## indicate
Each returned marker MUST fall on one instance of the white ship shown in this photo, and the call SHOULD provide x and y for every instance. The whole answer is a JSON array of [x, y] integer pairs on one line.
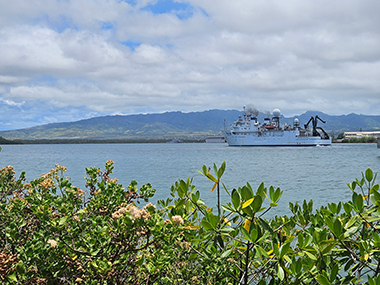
[[247, 131]]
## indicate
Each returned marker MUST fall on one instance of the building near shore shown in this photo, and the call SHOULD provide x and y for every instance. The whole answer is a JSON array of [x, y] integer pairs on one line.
[[215, 140], [358, 135]]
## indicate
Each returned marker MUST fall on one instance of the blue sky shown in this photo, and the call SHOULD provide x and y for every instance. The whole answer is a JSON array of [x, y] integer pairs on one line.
[[65, 60]]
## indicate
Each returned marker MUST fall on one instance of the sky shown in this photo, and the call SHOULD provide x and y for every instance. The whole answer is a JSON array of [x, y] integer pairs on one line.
[[67, 60]]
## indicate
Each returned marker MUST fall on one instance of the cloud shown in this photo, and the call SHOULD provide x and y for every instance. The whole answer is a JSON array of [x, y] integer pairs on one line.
[[11, 103], [105, 57]]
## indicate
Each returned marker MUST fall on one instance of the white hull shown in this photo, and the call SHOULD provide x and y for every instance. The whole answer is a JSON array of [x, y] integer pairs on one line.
[[247, 131], [274, 138]]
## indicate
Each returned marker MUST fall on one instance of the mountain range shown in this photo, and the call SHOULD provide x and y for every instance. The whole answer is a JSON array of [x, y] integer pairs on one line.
[[175, 124]]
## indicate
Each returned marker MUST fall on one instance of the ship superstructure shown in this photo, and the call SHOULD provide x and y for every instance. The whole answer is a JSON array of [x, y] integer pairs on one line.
[[247, 131]]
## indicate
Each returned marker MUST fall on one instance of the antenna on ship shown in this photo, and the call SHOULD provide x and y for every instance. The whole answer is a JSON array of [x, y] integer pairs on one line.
[[276, 117], [296, 123]]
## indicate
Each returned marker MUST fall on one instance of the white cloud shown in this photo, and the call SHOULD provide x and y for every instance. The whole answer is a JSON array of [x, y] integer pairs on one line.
[[8, 79], [11, 103], [295, 55]]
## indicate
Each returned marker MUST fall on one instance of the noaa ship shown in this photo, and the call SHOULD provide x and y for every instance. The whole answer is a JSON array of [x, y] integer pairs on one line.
[[247, 131]]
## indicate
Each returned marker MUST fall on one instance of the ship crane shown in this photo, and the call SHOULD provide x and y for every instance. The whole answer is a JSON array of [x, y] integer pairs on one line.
[[314, 121]]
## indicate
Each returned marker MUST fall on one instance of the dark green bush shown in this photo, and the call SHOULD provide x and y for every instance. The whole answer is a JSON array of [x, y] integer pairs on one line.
[[55, 233]]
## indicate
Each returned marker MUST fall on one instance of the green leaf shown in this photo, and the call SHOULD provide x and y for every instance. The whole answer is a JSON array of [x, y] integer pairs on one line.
[[62, 220], [184, 187], [20, 267], [257, 202], [180, 192], [261, 251], [180, 203], [347, 208], [277, 195], [194, 197], [329, 222], [300, 240], [265, 225], [369, 175], [248, 211], [352, 185], [204, 169], [228, 208], [276, 250], [225, 188], [351, 222], [215, 169], [214, 220], [220, 240], [82, 211], [375, 188], [337, 227], [206, 225], [271, 193], [227, 253], [333, 207], [212, 178], [328, 248], [261, 189], [246, 193], [323, 280], [262, 282], [235, 197], [310, 255], [254, 234], [280, 272], [375, 197], [245, 234], [221, 170], [284, 249], [358, 203], [334, 272], [13, 277], [371, 281]]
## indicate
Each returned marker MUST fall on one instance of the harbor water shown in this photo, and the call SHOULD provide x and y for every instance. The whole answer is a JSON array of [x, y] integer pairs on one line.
[[303, 173]]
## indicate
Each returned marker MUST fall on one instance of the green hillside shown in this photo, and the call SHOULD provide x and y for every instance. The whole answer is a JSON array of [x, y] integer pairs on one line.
[[173, 124]]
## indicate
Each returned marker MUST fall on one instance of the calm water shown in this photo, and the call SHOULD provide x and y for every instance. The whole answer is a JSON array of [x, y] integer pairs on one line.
[[318, 173]]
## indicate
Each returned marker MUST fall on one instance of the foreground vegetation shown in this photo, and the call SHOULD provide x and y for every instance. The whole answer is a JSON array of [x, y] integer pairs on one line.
[[55, 233]]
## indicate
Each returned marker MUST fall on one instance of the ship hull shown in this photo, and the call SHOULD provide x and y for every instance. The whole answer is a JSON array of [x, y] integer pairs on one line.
[[276, 138]]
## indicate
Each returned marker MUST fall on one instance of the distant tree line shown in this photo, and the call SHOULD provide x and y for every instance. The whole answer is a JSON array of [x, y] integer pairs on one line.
[[360, 140]]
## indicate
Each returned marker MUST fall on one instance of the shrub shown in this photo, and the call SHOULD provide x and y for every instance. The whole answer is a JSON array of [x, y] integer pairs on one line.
[[55, 233]]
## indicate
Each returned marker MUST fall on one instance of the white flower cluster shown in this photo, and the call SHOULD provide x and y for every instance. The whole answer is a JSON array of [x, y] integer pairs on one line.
[[135, 213], [177, 220], [52, 243]]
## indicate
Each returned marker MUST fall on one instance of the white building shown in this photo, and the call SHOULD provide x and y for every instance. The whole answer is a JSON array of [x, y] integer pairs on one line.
[[350, 135]]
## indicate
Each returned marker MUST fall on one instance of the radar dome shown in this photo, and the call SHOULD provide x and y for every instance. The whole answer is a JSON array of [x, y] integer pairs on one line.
[[276, 112]]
